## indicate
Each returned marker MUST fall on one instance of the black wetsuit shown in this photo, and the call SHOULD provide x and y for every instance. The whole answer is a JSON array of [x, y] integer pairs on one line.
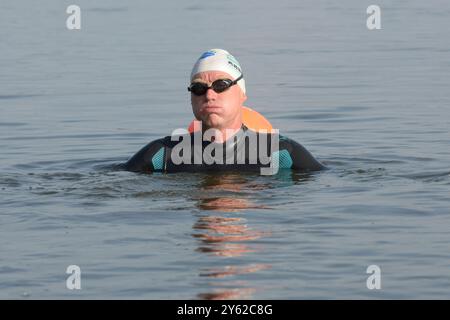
[[157, 156]]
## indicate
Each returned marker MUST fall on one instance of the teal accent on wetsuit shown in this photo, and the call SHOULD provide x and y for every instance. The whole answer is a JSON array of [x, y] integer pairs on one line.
[[158, 160], [284, 158]]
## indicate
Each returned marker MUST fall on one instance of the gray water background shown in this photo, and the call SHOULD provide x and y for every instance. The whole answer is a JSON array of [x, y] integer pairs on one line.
[[372, 105]]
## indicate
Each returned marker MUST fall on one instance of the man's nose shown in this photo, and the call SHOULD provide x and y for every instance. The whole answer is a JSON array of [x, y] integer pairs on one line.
[[210, 94]]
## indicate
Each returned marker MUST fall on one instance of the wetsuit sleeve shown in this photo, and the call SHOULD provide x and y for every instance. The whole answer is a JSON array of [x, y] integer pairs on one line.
[[149, 159], [300, 158]]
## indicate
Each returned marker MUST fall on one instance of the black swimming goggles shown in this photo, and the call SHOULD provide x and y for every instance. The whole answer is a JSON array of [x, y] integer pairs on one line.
[[220, 85]]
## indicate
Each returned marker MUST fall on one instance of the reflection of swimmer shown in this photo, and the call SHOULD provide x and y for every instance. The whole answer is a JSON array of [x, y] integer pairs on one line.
[[226, 192], [219, 234], [217, 96], [233, 270], [230, 294], [226, 236], [225, 204]]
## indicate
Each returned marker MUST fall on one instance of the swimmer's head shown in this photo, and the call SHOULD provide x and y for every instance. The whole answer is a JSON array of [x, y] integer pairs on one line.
[[221, 106], [219, 60]]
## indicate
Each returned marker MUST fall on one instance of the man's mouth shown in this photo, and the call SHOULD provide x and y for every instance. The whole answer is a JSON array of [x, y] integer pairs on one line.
[[211, 108]]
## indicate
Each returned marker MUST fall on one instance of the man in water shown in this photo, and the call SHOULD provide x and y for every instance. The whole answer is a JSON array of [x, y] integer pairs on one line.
[[223, 141]]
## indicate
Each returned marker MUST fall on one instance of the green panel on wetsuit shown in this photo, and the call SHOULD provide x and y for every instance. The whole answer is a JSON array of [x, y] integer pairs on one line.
[[285, 160], [158, 160]]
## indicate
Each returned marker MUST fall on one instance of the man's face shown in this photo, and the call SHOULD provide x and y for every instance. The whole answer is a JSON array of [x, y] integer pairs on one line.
[[218, 110]]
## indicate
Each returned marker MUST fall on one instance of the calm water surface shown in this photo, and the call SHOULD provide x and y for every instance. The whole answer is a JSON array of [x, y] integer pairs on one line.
[[372, 105]]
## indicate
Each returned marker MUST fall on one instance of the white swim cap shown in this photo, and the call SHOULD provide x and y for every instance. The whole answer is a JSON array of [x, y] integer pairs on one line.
[[219, 60]]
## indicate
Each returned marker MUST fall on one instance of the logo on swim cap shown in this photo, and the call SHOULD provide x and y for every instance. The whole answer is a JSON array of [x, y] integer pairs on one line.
[[207, 54], [232, 59], [234, 66]]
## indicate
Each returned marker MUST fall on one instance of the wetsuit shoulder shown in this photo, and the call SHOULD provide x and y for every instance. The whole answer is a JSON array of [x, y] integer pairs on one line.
[[293, 155], [150, 158]]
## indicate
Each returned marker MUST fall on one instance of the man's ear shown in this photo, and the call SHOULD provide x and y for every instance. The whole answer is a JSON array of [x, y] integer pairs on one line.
[[243, 96]]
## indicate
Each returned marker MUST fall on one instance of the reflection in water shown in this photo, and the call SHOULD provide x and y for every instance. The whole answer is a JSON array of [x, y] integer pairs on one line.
[[224, 204], [232, 270], [227, 236], [218, 233], [231, 294]]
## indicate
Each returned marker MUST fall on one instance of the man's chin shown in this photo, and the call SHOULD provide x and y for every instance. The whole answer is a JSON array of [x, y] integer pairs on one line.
[[213, 121]]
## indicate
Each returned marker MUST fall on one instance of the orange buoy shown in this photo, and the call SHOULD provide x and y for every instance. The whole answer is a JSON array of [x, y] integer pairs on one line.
[[252, 120]]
